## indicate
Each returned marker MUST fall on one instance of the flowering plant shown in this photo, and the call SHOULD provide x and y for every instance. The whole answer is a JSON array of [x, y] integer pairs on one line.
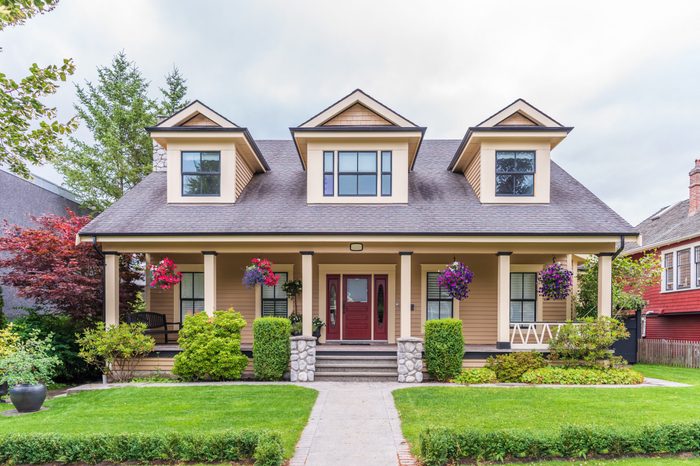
[[165, 274], [259, 272], [456, 279], [555, 282]]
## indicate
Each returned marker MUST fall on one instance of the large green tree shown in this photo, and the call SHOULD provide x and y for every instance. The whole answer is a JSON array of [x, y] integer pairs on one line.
[[115, 109], [174, 94], [30, 130]]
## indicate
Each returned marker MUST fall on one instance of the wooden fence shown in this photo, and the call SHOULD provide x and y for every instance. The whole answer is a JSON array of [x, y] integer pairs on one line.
[[671, 352]]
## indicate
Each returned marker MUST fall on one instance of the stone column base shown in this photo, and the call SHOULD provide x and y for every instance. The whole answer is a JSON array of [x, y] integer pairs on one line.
[[410, 359], [303, 359]]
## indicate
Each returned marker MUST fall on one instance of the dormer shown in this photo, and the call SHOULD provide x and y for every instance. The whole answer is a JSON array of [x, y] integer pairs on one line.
[[358, 150], [506, 158], [210, 159]]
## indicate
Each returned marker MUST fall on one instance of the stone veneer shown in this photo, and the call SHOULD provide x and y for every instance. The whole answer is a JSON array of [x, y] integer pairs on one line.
[[160, 158], [410, 360], [303, 359]]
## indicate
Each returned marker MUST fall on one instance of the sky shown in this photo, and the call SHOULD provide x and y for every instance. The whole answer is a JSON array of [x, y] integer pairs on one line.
[[625, 74]]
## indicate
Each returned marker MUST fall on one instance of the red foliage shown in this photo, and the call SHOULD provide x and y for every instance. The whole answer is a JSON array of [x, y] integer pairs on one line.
[[44, 264]]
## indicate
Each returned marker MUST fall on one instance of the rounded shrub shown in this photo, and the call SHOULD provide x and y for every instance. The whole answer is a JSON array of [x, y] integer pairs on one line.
[[476, 375], [271, 347], [444, 348], [511, 367]]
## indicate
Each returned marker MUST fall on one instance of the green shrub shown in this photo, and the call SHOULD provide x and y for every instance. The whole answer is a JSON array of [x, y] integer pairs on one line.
[[510, 367], [582, 376], [588, 341], [116, 349], [440, 446], [271, 347], [211, 347], [476, 375], [222, 446], [444, 348], [32, 362]]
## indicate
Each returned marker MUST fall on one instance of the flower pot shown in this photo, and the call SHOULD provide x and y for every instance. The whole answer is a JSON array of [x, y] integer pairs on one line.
[[28, 398], [3, 389]]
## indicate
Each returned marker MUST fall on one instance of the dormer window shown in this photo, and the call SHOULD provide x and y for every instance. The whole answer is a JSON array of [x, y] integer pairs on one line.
[[515, 173], [201, 173], [357, 173]]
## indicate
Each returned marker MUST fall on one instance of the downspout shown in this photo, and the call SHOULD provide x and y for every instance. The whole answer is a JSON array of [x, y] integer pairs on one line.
[[614, 256], [104, 283]]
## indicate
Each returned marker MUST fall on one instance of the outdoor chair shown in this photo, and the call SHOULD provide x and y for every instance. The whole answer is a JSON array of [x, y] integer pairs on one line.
[[155, 323]]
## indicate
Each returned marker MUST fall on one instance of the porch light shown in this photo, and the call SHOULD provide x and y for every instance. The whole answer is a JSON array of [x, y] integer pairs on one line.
[[356, 246]]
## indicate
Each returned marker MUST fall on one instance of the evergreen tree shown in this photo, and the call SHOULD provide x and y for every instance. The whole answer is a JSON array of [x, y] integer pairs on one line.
[[174, 95], [116, 110]]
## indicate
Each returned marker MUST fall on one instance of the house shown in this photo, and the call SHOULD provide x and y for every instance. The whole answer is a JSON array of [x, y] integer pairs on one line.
[[39, 197], [673, 306], [365, 211]]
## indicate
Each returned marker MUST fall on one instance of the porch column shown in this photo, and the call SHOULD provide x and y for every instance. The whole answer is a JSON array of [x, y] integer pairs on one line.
[[503, 300], [307, 280], [209, 282], [111, 288], [405, 293], [605, 284]]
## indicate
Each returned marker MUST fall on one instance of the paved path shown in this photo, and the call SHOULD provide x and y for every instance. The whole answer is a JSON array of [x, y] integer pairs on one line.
[[353, 423]]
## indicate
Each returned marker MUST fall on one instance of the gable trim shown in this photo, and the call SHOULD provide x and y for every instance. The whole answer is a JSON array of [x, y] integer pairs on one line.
[[213, 115], [524, 102]]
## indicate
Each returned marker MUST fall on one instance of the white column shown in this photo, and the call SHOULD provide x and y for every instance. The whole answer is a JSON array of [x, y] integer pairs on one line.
[[111, 288], [605, 284], [405, 294], [307, 280], [569, 299], [503, 301], [209, 282]]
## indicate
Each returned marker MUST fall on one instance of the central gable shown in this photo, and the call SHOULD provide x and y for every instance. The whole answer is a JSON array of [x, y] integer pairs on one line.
[[358, 115]]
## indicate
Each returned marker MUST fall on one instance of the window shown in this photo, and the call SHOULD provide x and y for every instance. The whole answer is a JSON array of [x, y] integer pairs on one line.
[[328, 173], [697, 266], [668, 271], [439, 302], [191, 294], [274, 299], [523, 297], [683, 269], [386, 173], [357, 173], [515, 173], [201, 173]]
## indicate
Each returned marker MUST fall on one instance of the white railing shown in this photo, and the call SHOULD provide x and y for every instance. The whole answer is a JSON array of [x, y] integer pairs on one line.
[[534, 335]]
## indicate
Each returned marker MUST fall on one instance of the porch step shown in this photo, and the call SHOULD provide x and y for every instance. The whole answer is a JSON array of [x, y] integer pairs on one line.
[[374, 368], [356, 376], [364, 367]]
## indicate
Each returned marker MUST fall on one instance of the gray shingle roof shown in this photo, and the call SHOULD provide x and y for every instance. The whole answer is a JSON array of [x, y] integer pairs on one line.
[[440, 202], [668, 225]]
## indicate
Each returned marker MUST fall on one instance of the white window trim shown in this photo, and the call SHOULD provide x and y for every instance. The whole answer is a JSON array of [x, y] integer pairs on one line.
[[424, 269], [177, 312], [539, 304], [289, 269], [693, 273]]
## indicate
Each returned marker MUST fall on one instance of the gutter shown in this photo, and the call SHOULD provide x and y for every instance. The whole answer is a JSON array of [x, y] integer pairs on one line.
[[104, 282], [622, 246]]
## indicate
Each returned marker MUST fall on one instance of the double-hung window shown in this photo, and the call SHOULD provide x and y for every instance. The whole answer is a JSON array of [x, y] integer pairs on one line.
[[328, 173], [515, 173], [201, 173], [439, 302], [697, 266], [274, 299], [357, 173], [386, 173], [668, 271], [523, 297], [191, 294], [683, 269]]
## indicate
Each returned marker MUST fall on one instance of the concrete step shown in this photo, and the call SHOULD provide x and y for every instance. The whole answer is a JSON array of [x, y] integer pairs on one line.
[[352, 369], [332, 357], [356, 376], [361, 363]]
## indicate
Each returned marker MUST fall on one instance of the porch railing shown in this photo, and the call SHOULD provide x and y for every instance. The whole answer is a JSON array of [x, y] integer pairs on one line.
[[533, 335]]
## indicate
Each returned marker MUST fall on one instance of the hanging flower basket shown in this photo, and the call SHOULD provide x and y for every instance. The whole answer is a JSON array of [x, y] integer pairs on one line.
[[259, 272], [555, 281], [165, 274], [456, 279]]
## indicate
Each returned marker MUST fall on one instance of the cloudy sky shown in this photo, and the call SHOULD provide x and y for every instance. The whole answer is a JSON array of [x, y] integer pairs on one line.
[[625, 74]]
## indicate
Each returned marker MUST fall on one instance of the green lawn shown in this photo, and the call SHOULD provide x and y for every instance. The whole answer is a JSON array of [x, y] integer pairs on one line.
[[283, 408], [545, 409], [662, 461]]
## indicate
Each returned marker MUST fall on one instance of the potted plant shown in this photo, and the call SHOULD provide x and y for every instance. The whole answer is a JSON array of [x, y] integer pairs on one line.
[[259, 272], [8, 345], [27, 370], [555, 281], [295, 319], [316, 325]]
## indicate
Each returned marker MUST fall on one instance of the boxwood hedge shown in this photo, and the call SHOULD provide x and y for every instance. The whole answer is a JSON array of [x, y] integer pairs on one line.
[[271, 347], [444, 348]]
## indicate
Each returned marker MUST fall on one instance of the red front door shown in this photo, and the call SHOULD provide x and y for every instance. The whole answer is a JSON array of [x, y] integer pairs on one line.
[[357, 314], [333, 307], [381, 308]]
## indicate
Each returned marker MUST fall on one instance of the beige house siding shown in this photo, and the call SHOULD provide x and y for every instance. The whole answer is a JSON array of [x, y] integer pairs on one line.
[[243, 175], [473, 174], [517, 119], [199, 120], [357, 115]]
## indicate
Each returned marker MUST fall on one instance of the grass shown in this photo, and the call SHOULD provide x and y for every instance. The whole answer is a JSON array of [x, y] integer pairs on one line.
[[546, 409], [283, 408], [655, 461]]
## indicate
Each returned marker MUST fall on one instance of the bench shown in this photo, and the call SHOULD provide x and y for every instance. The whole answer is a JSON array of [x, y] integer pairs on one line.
[[155, 323]]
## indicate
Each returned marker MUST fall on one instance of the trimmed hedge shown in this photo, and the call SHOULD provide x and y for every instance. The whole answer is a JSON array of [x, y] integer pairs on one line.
[[582, 376], [271, 348], [223, 446], [476, 375], [444, 348], [439, 446], [511, 367]]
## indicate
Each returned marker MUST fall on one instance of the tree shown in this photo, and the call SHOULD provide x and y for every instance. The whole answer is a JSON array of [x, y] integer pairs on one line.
[[31, 132], [116, 110], [630, 279], [173, 97], [44, 264]]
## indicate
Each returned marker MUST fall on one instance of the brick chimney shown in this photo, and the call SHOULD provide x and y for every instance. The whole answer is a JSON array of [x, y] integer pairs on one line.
[[694, 204]]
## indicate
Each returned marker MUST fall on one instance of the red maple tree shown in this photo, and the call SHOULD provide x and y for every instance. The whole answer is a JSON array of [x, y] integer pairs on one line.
[[44, 264]]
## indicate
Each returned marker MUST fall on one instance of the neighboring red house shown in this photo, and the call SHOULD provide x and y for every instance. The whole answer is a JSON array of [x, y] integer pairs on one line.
[[673, 309]]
